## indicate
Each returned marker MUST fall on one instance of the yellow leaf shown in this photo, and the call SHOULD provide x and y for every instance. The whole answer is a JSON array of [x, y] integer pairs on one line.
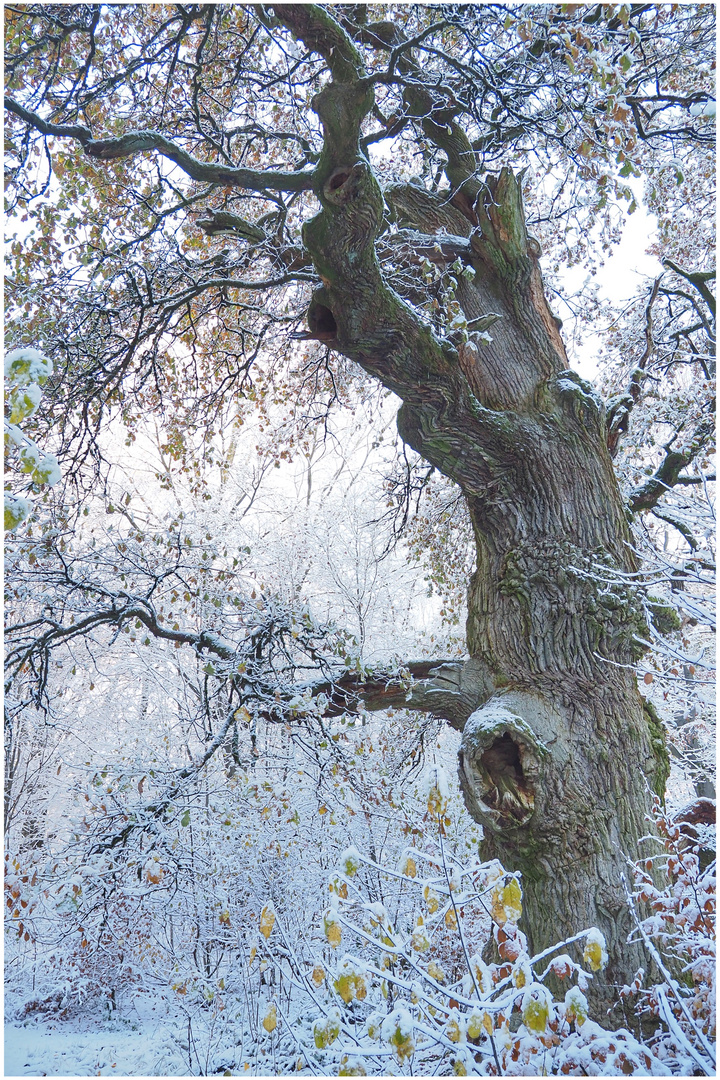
[[576, 1006], [506, 905], [475, 1025], [450, 920], [332, 929], [521, 974], [326, 1031], [453, 1030], [317, 975], [267, 921], [431, 899], [595, 953], [270, 1021], [334, 935], [409, 868], [536, 1008], [351, 985], [344, 987], [402, 1043]]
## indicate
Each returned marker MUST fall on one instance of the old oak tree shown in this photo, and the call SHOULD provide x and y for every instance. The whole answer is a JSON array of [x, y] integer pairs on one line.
[[224, 165]]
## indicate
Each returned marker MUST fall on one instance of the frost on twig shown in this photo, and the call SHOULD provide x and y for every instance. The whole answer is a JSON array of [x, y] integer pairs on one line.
[[26, 371]]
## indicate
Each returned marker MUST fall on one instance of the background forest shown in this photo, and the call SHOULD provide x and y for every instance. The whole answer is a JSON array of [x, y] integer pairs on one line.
[[237, 669]]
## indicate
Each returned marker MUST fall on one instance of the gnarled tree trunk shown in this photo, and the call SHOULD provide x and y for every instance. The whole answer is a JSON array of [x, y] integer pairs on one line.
[[559, 759]]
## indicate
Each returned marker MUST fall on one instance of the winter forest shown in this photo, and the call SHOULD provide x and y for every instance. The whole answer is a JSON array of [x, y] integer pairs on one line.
[[359, 539]]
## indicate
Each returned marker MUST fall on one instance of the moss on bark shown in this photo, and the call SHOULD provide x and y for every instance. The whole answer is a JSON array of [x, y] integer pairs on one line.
[[658, 741]]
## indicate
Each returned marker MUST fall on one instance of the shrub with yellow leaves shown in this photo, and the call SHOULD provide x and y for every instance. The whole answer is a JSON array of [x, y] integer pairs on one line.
[[443, 1019]]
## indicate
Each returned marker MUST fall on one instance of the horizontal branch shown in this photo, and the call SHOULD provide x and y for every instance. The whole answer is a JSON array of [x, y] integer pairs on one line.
[[449, 689], [235, 283], [57, 635], [136, 142]]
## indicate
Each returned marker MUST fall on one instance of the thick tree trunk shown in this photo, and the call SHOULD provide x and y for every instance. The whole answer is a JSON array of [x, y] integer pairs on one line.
[[559, 760]]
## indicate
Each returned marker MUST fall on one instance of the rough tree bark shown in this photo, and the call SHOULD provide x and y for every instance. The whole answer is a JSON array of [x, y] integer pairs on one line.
[[559, 757]]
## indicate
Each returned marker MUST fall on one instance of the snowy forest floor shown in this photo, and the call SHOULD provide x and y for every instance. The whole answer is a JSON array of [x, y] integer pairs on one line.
[[148, 1038]]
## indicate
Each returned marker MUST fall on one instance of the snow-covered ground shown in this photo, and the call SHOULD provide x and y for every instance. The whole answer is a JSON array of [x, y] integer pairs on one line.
[[82, 1045], [149, 1038], [62, 1049]]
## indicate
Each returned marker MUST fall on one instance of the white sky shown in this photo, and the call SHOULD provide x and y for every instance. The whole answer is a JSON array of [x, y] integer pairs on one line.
[[618, 279]]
